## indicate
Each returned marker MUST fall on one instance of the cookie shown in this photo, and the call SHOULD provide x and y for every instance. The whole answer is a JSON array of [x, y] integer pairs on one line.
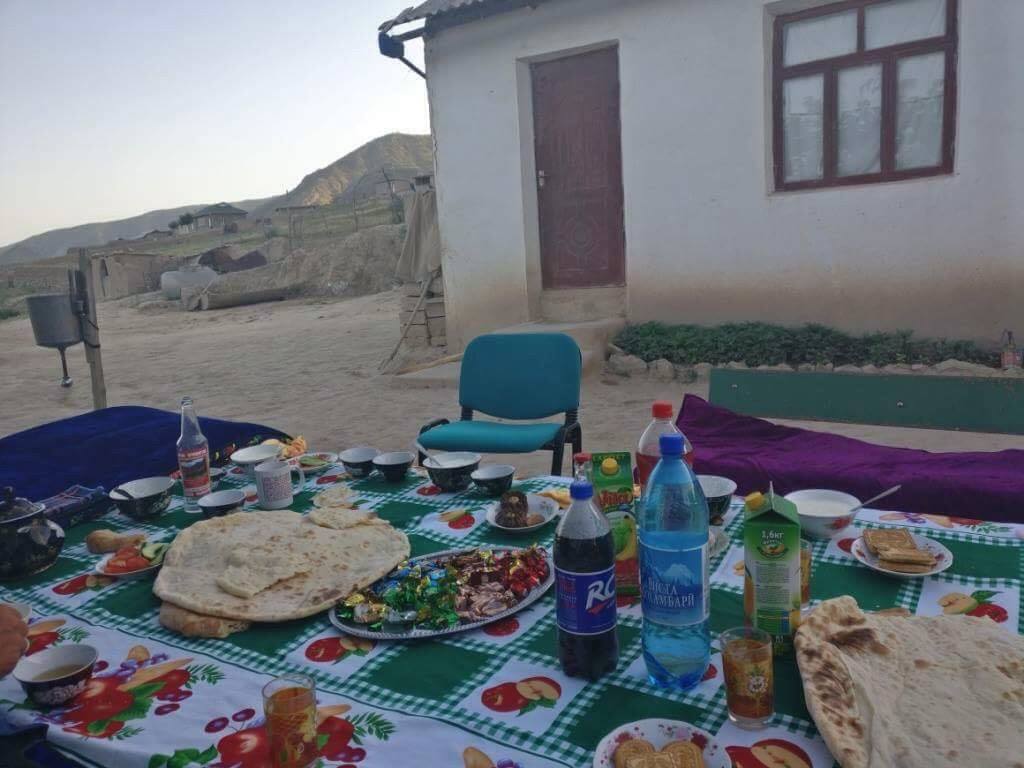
[[901, 555], [904, 567], [656, 760], [688, 754], [899, 538], [631, 749]]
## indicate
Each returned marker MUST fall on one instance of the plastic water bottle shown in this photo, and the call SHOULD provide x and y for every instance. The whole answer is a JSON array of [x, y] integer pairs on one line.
[[648, 452], [585, 610], [674, 583]]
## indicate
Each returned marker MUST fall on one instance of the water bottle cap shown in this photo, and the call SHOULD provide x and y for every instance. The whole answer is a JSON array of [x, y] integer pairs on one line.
[[662, 409], [581, 489], [671, 445]]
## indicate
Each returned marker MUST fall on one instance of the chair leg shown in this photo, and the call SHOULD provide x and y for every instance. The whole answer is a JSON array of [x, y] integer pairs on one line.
[[577, 440], [557, 452]]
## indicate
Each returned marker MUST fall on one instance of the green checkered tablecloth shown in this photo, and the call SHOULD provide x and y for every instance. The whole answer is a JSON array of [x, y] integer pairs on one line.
[[159, 699]]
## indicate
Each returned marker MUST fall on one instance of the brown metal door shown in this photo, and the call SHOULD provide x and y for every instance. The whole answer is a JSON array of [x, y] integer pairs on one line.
[[579, 170]]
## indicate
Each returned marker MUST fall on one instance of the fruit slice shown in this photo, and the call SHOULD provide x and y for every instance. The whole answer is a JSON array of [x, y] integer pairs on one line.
[[451, 515]]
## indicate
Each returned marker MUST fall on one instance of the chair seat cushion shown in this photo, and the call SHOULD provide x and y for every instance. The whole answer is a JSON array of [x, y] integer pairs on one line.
[[489, 437]]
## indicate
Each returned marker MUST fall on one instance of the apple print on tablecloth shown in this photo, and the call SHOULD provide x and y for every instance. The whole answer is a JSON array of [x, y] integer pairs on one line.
[[978, 603], [334, 648], [142, 685], [1000, 604], [83, 582], [42, 633], [241, 739], [457, 521], [945, 521], [772, 748], [523, 696]]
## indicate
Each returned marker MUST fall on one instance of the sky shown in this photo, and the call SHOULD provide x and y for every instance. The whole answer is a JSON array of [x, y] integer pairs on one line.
[[110, 108]]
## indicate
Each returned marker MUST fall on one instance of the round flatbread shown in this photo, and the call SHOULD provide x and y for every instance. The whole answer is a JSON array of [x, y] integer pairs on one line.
[[912, 691], [335, 496], [277, 565], [341, 518], [191, 624]]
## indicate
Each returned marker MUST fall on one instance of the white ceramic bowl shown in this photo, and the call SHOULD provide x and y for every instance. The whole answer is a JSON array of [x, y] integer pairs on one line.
[[823, 526], [248, 458]]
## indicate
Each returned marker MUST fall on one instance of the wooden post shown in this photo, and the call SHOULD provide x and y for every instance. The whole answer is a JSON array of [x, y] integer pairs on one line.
[[91, 333]]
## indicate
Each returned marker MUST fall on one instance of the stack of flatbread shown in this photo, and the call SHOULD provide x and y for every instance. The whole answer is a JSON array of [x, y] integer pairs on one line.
[[891, 691], [897, 551], [221, 574]]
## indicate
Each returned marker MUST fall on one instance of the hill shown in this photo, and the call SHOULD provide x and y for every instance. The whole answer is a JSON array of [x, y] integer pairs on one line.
[[403, 154]]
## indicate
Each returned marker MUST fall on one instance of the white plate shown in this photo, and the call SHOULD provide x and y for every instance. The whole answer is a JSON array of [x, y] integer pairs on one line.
[[659, 733], [142, 573], [330, 458], [943, 557], [539, 504]]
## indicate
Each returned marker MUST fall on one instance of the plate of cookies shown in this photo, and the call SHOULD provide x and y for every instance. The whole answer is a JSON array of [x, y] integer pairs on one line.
[[659, 743], [898, 552]]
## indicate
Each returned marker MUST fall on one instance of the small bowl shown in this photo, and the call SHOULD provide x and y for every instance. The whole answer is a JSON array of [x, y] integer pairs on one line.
[[151, 497], [823, 526], [248, 458], [35, 673], [718, 491], [451, 472], [221, 502], [358, 462], [494, 479], [216, 475], [394, 465]]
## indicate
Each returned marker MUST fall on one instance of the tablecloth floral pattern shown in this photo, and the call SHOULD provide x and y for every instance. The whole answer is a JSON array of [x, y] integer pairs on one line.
[[158, 699]]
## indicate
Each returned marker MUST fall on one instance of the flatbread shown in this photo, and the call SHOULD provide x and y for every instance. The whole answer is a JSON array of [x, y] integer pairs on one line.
[[253, 569], [341, 518], [191, 624], [912, 691], [335, 496], [341, 562]]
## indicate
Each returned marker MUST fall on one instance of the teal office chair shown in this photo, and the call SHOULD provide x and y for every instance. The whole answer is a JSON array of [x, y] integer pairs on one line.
[[515, 376]]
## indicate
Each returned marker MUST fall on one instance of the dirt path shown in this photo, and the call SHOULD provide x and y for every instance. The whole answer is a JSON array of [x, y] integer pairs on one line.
[[310, 368]]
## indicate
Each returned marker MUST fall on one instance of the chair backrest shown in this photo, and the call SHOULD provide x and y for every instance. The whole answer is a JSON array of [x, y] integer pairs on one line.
[[521, 375]]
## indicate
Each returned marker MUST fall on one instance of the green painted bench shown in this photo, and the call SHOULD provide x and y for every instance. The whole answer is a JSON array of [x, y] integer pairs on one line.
[[933, 402]]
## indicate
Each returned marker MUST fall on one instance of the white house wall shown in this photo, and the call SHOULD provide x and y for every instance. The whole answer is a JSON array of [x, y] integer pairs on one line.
[[706, 239]]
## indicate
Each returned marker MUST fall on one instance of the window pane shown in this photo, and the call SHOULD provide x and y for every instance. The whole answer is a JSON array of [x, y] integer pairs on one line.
[[801, 127], [921, 86], [819, 38], [902, 20], [860, 120]]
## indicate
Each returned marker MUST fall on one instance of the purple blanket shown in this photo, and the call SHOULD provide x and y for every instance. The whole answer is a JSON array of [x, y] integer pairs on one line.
[[752, 452]]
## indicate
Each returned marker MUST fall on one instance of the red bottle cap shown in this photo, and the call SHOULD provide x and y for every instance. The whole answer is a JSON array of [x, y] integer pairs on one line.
[[662, 409], [580, 458]]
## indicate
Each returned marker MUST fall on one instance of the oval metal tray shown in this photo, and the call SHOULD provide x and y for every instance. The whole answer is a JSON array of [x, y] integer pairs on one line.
[[360, 630]]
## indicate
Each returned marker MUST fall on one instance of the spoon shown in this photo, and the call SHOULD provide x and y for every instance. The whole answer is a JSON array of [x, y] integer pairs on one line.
[[879, 497], [123, 493]]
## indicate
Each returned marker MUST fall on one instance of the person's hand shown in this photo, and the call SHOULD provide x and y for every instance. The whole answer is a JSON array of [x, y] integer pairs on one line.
[[13, 632]]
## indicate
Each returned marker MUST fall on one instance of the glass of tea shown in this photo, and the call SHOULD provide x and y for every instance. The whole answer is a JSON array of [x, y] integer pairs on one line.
[[749, 680], [289, 703], [805, 573]]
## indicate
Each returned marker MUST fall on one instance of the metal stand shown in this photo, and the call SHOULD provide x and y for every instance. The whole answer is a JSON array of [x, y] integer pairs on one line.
[[66, 381]]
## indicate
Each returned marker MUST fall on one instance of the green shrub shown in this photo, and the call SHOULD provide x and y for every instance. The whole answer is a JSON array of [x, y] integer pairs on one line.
[[6, 314], [764, 344]]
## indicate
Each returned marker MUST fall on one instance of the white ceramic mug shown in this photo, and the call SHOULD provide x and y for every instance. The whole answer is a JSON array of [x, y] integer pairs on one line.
[[274, 484]]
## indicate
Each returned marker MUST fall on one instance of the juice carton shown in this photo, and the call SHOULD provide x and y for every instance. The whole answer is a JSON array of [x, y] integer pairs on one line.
[[771, 564], [613, 491]]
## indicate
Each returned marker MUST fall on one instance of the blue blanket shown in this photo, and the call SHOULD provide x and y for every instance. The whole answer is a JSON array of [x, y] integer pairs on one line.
[[108, 447]]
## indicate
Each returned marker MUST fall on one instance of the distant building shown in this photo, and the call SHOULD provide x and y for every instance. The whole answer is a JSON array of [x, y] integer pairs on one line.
[[158, 234], [125, 273], [214, 216]]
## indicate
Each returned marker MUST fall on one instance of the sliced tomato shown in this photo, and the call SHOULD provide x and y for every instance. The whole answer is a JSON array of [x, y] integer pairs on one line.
[[137, 562], [125, 552]]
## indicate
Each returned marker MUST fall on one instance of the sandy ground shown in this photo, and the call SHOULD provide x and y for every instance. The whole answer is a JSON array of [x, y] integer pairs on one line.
[[310, 368]]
